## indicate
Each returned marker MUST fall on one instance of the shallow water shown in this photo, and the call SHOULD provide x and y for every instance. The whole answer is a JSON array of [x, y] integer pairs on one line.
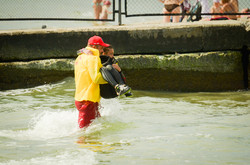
[[39, 126]]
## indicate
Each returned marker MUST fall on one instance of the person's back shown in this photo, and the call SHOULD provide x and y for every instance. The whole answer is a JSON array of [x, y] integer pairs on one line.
[[216, 8], [228, 7], [235, 3], [88, 83]]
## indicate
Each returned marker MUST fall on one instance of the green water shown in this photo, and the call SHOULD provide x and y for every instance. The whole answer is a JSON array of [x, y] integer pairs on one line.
[[39, 126]]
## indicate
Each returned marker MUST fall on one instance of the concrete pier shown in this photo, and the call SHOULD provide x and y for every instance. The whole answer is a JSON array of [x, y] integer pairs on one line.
[[198, 56]]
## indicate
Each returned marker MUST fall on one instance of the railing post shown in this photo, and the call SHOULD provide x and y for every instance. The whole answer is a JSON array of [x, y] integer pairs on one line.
[[120, 13]]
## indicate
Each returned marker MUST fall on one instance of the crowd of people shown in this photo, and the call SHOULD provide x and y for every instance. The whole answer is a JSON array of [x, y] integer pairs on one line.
[[217, 9], [101, 9]]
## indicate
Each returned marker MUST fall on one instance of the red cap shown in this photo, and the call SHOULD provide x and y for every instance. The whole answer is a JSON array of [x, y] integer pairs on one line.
[[96, 40]]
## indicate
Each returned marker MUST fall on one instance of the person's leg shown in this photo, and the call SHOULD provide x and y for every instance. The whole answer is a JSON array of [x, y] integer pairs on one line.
[[88, 111], [97, 10], [108, 76], [166, 18], [176, 10], [117, 76], [113, 77], [129, 94]]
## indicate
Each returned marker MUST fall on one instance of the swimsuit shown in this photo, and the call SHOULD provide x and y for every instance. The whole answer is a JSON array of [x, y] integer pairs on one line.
[[171, 7], [97, 4]]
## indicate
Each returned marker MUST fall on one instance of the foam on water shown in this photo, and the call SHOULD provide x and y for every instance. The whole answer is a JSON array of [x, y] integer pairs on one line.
[[46, 125], [55, 124]]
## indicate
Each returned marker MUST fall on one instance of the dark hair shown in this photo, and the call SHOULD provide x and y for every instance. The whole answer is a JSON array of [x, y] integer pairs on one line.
[[106, 49]]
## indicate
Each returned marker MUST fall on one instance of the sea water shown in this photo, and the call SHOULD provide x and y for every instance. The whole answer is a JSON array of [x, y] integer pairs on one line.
[[39, 126]]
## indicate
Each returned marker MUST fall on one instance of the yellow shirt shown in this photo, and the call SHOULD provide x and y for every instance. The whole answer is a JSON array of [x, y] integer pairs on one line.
[[88, 76]]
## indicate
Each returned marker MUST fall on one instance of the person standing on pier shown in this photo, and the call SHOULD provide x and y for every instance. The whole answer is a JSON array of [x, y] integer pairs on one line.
[[105, 10], [97, 5], [171, 7]]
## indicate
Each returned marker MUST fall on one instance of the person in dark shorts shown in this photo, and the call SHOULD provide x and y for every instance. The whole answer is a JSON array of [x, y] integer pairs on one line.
[[171, 7]]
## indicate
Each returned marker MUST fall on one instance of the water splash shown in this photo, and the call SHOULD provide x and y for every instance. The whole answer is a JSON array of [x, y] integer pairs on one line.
[[46, 125], [58, 124], [50, 124]]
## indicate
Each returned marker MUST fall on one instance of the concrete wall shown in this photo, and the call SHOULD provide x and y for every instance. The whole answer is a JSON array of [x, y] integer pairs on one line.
[[190, 72], [153, 57], [137, 39], [213, 71]]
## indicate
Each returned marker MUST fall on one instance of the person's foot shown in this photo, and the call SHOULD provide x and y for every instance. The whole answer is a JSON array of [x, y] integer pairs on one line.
[[122, 89], [129, 94]]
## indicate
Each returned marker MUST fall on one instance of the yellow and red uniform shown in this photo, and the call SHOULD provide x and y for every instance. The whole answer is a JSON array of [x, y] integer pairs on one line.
[[88, 76], [87, 80]]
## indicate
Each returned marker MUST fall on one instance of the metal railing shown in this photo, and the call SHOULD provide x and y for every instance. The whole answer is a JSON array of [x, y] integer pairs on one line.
[[141, 8], [52, 10], [83, 10]]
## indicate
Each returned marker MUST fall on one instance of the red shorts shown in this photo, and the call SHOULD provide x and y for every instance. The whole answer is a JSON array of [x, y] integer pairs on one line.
[[88, 111]]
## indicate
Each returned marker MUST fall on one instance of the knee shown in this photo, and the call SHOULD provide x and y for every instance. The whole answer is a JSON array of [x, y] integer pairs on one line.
[[109, 67], [103, 69]]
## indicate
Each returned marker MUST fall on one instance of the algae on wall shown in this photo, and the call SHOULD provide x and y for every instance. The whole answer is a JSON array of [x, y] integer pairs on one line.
[[228, 61], [211, 71]]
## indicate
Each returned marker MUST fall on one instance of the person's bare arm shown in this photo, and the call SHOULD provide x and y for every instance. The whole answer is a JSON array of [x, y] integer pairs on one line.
[[117, 67]]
